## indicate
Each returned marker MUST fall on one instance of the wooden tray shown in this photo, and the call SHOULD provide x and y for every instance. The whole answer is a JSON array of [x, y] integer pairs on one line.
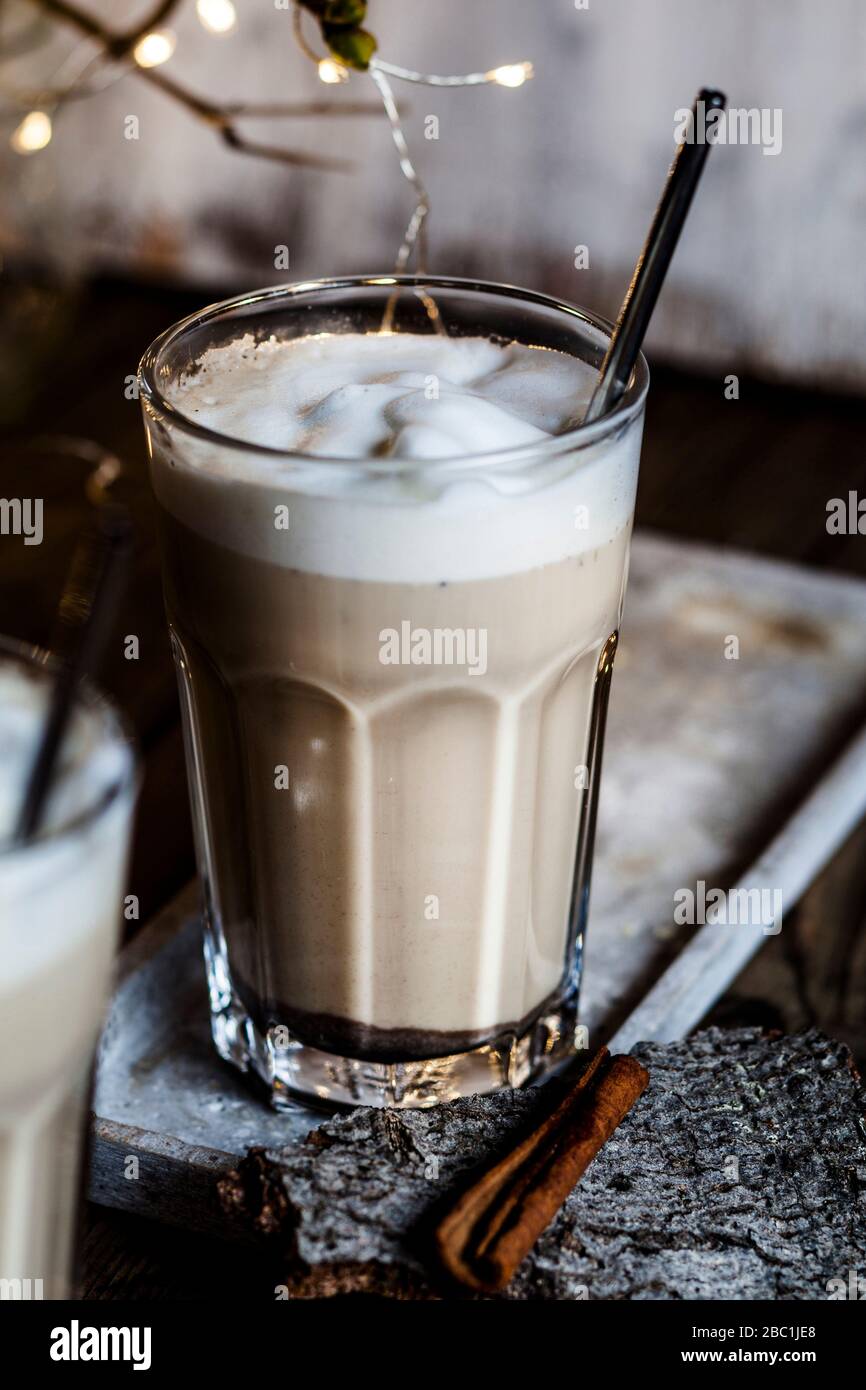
[[705, 757]]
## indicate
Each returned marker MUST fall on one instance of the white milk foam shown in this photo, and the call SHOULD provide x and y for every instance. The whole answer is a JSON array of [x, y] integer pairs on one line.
[[53, 890], [421, 402], [407, 396], [89, 762]]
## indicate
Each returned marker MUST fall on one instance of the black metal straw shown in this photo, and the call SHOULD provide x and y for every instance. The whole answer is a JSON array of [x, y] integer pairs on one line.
[[654, 259], [85, 617]]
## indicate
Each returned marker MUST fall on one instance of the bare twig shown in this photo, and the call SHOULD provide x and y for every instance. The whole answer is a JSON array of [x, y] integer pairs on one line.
[[302, 108], [221, 117], [114, 45], [118, 48]]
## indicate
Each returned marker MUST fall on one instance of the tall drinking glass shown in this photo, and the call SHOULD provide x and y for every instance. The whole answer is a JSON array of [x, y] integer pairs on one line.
[[394, 674], [60, 911]]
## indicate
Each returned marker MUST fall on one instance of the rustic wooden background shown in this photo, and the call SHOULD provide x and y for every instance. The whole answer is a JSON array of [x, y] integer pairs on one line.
[[770, 278]]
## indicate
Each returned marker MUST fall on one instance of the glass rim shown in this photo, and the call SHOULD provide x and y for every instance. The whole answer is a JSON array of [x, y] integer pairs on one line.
[[579, 436], [42, 662]]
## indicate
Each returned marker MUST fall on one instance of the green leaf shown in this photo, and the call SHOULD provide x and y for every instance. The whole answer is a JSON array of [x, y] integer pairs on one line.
[[316, 7], [353, 47]]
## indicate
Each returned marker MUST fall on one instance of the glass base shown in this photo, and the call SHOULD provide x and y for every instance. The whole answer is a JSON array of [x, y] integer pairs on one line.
[[291, 1070]]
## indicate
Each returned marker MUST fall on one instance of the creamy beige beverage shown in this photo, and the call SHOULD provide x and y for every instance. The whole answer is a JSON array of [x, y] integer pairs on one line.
[[391, 676], [60, 910]]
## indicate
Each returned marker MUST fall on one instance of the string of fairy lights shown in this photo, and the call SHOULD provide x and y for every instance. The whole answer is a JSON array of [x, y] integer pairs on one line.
[[85, 71]]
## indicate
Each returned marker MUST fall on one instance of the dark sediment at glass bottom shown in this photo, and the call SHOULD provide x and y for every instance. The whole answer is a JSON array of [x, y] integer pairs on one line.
[[346, 1037]]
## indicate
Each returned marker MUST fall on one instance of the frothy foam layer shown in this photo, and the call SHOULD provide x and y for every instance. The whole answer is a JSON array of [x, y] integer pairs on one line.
[[421, 401], [91, 761], [404, 396]]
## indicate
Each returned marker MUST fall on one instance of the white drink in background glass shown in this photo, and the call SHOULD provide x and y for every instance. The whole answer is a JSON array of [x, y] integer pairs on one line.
[[61, 899], [402, 921]]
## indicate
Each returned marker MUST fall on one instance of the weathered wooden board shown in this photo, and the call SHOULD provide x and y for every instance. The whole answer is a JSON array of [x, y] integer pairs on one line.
[[705, 756]]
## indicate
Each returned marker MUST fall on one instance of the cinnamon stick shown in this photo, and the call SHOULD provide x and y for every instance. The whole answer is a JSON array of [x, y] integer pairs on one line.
[[495, 1222]]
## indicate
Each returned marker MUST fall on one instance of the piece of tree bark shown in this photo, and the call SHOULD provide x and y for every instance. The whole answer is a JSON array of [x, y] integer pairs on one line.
[[740, 1174]]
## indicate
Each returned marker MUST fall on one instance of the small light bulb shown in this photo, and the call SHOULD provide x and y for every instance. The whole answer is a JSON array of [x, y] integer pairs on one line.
[[155, 48], [330, 72], [33, 134], [512, 74], [217, 16]]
